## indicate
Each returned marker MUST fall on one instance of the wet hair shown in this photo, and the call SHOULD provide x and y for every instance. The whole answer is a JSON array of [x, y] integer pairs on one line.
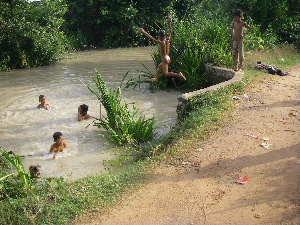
[[41, 96], [57, 135], [162, 33], [84, 107], [238, 13]]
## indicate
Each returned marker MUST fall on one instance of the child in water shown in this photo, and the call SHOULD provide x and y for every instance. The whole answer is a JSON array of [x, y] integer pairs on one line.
[[43, 104], [82, 112], [59, 145]]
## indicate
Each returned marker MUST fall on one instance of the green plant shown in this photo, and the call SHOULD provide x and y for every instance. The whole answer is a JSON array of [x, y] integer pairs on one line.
[[30, 33], [13, 182], [123, 125]]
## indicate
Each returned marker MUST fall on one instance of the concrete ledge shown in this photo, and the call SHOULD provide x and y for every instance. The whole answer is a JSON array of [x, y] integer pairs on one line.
[[218, 76]]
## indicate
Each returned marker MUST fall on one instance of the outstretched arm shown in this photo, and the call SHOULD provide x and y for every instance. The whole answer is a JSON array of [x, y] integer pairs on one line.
[[149, 36], [170, 27]]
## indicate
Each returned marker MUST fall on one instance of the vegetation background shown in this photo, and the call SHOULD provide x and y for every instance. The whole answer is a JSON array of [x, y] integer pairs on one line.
[[39, 32]]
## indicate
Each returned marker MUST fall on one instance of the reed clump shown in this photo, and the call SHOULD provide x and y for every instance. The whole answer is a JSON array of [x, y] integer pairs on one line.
[[124, 125]]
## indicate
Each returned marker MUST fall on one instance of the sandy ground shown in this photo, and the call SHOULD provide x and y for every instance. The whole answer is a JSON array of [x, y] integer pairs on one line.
[[202, 189]]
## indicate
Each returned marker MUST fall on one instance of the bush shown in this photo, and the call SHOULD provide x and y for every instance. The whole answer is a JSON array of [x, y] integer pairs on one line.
[[30, 33], [123, 125], [12, 184]]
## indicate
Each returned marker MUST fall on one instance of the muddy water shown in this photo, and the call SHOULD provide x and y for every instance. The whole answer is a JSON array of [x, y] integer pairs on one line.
[[28, 131]]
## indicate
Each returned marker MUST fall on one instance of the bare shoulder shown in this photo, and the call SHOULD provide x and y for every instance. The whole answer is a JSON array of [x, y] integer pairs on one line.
[[244, 23], [52, 147]]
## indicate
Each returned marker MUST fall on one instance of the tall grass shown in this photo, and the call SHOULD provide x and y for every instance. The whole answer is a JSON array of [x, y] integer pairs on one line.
[[196, 40], [124, 125], [205, 37], [12, 183]]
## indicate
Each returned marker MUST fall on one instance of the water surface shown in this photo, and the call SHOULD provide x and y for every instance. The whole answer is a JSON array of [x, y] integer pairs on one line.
[[28, 131]]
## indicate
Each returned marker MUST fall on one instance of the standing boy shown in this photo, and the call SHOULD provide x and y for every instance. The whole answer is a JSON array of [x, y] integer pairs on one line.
[[238, 39], [164, 43]]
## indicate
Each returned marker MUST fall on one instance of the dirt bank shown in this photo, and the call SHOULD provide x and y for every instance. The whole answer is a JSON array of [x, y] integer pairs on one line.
[[203, 190]]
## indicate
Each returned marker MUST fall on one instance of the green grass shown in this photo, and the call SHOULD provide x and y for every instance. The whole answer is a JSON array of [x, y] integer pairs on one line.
[[57, 201]]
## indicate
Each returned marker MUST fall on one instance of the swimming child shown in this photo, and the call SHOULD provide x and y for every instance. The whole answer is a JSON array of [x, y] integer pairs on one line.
[[43, 105], [82, 112], [59, 145], [164, 43]]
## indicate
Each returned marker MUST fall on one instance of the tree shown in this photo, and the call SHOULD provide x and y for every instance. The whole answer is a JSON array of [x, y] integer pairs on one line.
[[30, 33]]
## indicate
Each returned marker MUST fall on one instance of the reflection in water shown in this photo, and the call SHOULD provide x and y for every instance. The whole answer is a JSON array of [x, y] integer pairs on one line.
[[28, 131]]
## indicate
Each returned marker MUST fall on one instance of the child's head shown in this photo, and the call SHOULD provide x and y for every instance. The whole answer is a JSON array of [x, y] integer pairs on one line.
[[162, 35], [58, 136], [84, 108], [238, 14], [42, 99]]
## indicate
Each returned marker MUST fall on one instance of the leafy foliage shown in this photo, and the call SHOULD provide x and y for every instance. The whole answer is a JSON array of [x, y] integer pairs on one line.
[[59, 201], [281, 16], [112, 23], [30, 33], [12, 183], [123, 125]]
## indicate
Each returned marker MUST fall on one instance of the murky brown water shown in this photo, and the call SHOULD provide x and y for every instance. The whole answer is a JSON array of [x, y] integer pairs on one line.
[[28, 131]]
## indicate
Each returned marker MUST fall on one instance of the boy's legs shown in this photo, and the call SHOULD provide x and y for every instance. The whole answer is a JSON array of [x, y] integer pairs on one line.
[[238, 54], [165, 68], [241, 54], [235, 55], [159, 71]]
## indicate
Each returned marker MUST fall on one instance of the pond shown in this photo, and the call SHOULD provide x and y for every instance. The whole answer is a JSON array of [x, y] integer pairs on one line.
[[28, 131]]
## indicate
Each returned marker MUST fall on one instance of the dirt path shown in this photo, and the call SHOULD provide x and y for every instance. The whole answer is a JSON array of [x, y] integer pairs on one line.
[[203, 188]]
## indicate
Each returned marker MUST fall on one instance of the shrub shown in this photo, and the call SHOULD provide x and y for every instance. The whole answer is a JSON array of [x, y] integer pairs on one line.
[[12, 183], [123, 125]]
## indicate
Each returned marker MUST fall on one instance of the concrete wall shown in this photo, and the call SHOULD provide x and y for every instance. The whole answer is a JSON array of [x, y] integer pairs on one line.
[[218, 77]]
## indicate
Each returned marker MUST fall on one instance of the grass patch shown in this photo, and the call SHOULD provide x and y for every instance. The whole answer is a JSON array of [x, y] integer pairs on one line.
[[57, 201]]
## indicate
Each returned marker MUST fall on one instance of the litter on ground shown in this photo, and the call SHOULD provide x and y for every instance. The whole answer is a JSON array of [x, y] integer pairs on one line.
[[256, 137], [243, 180], [266, 145], [270, 69]]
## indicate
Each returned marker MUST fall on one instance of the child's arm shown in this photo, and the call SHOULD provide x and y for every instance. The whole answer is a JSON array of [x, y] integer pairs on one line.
[[170, 27], [149, 36], [250, 29], [79, 116], [52, 148]]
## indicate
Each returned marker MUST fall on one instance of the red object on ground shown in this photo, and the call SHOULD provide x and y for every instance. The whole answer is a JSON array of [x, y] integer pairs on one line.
[[243, 180]]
